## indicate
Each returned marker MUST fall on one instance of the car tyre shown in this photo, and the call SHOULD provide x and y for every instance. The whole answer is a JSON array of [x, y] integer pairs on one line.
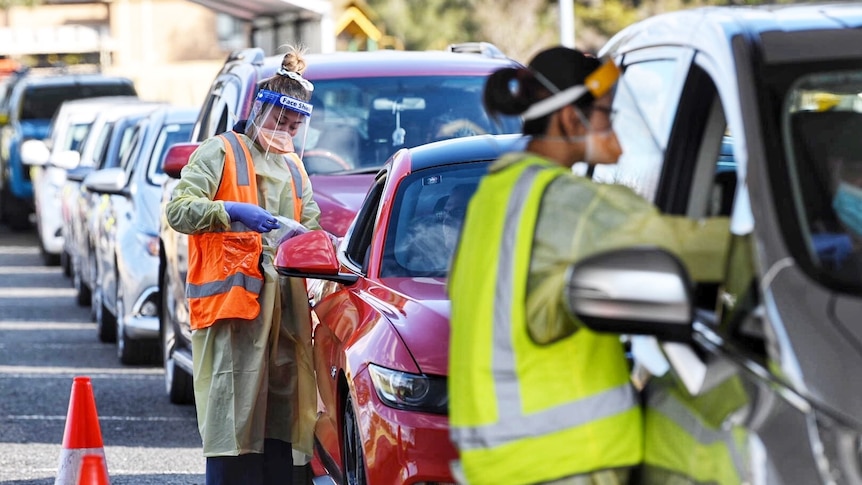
[[66, 263], [179, 385], [15, 212], [352, 456], [106, 323], [83, 296], [49, 259]]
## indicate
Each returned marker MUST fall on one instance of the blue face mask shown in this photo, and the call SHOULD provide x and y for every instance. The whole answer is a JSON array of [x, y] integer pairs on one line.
[[848, 205]]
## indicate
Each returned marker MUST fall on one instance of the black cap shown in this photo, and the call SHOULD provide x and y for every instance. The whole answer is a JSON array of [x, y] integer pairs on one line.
[[578, 65]]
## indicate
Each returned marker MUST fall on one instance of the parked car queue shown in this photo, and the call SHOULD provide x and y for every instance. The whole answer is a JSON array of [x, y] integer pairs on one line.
[[747, 378]]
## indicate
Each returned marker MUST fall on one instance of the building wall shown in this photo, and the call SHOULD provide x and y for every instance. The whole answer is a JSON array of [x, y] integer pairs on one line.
[[169, 48]]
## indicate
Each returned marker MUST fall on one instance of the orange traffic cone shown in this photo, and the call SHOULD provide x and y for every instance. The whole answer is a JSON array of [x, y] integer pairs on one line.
[[82, 435], [93, 471]]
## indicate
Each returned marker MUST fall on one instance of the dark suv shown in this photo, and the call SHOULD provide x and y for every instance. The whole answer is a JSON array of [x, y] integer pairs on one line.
[[27, 112]]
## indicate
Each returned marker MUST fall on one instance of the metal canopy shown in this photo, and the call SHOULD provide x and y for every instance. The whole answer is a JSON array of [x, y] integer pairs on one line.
[[256, 9]]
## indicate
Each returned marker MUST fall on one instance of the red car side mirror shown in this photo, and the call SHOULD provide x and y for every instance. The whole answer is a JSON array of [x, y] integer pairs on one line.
[[311, 255], [177, 157]]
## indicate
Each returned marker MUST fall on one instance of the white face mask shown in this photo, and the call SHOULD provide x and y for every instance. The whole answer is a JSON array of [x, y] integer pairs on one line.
[[602, 147]]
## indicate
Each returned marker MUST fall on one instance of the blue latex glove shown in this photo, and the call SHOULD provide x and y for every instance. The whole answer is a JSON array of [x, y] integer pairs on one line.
[[253, 216], [832, 248]]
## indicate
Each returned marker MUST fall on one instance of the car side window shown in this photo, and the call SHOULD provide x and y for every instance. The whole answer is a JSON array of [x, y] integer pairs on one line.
[[821, 131], [219, 113], [643, 107], [100, 150], [128, 161], [359, 235]]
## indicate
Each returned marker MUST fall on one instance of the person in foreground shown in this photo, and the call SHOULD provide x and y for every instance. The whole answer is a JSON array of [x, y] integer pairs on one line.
[[536, 397], [239, 196]]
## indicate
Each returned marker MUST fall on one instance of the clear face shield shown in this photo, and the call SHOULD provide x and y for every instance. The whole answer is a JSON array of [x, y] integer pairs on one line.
[[279, 122]]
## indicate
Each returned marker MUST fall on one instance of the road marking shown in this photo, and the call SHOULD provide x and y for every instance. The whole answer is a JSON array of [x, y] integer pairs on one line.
[[41, 292], [44, 325], [42, 417], [28, 270], [18, 250], [81, 346], [94, 372]]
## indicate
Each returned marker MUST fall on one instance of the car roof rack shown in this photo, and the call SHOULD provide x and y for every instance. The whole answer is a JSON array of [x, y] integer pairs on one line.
[[486, 49]]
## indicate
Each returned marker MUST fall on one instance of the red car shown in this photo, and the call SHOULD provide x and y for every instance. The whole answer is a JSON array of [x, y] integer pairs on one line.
[[381, 315], [367, 105]]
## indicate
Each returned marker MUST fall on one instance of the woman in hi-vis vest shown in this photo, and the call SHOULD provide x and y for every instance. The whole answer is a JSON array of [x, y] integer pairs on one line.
[[241, 193], [534, 395]]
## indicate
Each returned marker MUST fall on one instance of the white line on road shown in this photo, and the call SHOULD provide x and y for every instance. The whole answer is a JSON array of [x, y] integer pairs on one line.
[[93, 372], [37, 325], [41, 292], [28, 269], [80, 346], [18, 250], [40, 417]]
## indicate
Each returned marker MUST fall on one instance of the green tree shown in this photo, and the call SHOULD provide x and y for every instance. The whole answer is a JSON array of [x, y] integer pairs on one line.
[[428, 24], [520, 28]]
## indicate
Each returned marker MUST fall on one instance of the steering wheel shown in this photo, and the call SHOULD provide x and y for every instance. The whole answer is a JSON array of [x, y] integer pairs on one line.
[[458, 128], [322, 161]]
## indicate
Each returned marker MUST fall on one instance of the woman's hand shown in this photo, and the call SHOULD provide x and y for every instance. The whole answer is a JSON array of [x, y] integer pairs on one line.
[[253, 216]]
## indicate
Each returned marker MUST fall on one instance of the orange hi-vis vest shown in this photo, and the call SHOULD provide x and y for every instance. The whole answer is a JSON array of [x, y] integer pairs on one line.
[[225, 276]]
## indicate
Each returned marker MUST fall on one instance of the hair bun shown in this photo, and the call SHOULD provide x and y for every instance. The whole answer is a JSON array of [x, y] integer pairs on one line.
[[294, 59], [499, 96]]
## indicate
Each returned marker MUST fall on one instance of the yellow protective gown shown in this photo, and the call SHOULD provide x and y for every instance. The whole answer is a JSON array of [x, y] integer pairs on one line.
[[253, 379]]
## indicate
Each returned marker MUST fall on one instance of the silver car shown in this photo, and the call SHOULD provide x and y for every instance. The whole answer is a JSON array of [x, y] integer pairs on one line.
[[103, 147], [751, 374], [127, 249]]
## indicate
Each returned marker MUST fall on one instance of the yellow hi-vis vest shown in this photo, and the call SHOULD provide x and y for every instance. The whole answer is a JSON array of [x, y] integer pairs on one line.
[[692, 439], [522, 412]]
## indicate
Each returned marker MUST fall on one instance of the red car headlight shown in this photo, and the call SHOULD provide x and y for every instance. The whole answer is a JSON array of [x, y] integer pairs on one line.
[[404, 390]]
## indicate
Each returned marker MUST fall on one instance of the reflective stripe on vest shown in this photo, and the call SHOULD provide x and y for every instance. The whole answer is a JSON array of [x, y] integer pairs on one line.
[[297, 179], [513, 424], [687, 445], [241, 156], [230, 288], [294, 164], [522, 412]]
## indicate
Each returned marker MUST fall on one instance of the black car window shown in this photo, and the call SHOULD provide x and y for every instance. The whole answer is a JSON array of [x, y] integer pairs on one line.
[[822, 123], [41, 102], [218, 114], [426, 220], [359, 234]]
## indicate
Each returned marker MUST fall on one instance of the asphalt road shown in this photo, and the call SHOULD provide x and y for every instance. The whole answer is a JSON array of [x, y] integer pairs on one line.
[[45, 341]]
